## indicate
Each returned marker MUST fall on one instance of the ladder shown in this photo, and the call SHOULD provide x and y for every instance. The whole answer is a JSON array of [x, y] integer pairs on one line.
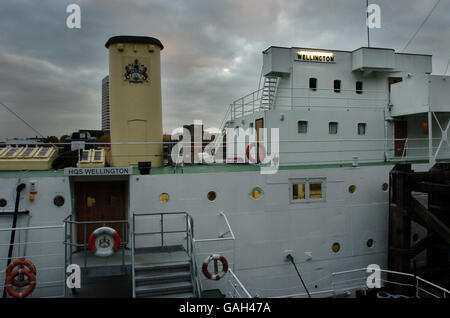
[[269, 92]]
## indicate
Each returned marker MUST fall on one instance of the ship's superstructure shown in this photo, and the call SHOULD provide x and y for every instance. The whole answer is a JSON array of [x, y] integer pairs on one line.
[[344, 120]]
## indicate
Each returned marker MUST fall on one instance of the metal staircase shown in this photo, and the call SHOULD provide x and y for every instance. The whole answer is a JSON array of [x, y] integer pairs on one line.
[[168, 271], [171, 280], [269, 92]]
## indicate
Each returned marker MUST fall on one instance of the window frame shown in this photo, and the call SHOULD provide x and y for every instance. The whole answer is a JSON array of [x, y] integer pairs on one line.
[[307, 182], [315, 80], [365, 129], [359, 91], [329, 127], [298, 126], [337, 90]]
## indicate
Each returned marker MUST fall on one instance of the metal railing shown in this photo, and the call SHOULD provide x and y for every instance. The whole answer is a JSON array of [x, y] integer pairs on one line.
[[193, 259], [305, 97], [47, 285], [238, 289], [421, 287], [188, 230], [339, 150], [72, 247]]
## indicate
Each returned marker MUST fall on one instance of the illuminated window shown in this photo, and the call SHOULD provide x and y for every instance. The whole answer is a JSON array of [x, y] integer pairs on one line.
[[163, 198], [313, 83], [307, 190], [359, 87], [302, 127], [352, 189], [332, 128], [256, 193], [361, 128], [299, 191], [384, 187], [337, 86], [211, 195], [315, 190], [336, 247]]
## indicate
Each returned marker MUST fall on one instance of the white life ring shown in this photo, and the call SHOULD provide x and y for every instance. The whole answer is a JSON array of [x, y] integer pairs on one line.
[[103, 241], [215, 258]]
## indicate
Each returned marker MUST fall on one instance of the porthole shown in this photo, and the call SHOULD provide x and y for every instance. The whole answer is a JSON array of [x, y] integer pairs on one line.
[[256, 193], [336, 247], [352, 189], [211, 196], [58, 201], [3, 203], [415, 237], [163, 198], [369, 243], [384, 187]]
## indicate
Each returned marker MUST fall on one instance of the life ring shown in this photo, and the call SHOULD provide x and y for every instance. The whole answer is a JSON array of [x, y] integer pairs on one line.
[[216, 275], [262, 151], [20, 262], [103, 241], [31, 283]]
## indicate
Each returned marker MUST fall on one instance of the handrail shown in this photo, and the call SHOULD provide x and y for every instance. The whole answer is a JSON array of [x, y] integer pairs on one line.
[[68, 237], [194, 267], [415, 277], [221, 213], [239, 283]]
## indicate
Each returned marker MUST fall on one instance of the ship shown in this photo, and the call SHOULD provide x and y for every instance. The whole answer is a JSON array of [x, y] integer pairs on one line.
[[291, 198]]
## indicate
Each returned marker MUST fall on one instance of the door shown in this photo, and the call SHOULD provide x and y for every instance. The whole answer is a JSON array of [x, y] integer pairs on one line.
[[99, 201], [259, 124], [393, 80], [400, 132]]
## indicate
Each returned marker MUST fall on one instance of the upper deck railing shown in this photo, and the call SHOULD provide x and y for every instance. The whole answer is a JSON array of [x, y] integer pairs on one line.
[[305, 97], [305, 151]]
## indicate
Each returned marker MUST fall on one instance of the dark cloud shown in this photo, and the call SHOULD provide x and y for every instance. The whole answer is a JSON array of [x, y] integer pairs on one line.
[[51, 75]]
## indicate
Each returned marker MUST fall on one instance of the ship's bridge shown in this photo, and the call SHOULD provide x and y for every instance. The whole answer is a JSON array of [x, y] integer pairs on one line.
[[331, 106]]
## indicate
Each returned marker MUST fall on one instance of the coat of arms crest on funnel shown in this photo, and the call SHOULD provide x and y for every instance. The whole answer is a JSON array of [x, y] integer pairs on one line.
[[136, 72]]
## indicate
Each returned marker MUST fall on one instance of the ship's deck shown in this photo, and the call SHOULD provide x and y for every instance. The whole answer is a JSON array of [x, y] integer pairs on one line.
[[199, 168]]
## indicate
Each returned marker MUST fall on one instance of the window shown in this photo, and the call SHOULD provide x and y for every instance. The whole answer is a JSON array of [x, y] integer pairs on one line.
[[256, 193], [332, 127], [163, 198], [307, 190], [361, 128], [302, 127], [298, 191], [313, 83], [337, 86], [211, 196], [359, 87]]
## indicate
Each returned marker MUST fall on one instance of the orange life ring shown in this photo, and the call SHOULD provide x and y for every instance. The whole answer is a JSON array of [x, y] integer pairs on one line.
[[20, 262], [262, 148], [216, 275], [31, 283]]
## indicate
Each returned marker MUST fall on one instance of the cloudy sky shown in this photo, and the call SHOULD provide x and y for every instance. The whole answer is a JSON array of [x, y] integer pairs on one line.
[[51, 75]]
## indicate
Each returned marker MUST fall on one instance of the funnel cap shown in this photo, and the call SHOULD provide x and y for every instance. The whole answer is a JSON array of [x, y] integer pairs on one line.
[[133, 39]]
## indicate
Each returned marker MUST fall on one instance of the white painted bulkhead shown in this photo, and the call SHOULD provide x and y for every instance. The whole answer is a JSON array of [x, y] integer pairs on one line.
[[267, 228], [43, 243]]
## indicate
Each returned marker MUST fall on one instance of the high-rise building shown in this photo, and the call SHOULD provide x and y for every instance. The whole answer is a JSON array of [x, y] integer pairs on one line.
[[106, 123]]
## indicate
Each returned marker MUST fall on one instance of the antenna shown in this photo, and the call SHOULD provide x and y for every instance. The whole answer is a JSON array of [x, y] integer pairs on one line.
[[367, 18], [420, 27]]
